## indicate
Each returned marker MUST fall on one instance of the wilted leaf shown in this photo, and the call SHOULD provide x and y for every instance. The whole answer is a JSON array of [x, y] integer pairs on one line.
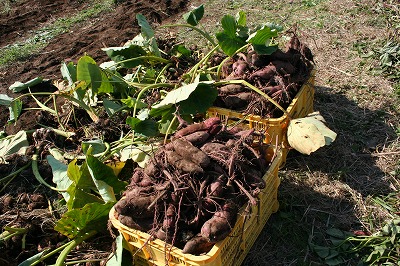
[[60, 175], [93, 216], [68, 72], [97, 146], [15, 109], [19, 86], [17, 143], [34, 258], [139, 154], [310, 133]]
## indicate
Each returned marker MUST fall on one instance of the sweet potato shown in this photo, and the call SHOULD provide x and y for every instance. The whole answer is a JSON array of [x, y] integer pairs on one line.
[[220, 224], [284, 67], [238, 100], [197, 138], [217, 151], [197, 246], [231, 89], [185, 149], [182, 164], [203, 126], [135, 205], [265, 73], [240, 67]]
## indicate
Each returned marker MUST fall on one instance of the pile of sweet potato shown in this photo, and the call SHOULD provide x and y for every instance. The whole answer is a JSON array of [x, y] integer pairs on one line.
[[190, 192], [279, 75]]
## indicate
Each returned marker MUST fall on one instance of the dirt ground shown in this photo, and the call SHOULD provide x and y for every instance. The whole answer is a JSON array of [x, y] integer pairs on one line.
[[23, 204]]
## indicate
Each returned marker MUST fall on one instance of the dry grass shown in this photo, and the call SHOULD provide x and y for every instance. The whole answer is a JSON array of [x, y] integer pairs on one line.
[[335, 186]]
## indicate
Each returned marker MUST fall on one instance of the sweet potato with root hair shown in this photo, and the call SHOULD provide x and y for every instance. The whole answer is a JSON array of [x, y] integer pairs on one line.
[[202, 126], [197, 246], [217, 151], [197, 138], [240, 67], [189, 152], [220, 224], [239, 100], [134, 223], [182, 164], [284, 67], [231, 89], [265, 73], [136, 205]]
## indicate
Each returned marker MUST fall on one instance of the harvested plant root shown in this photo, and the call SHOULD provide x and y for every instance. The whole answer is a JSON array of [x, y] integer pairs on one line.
[[190, 192], [279, 75]]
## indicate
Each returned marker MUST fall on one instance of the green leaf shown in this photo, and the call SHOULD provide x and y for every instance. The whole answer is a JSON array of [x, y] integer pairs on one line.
[[17, 143], [200, 100], [19, 86], [15, 109], [241, 19], [148, 34], [34, 258], [180, 50], [229, 44], [180, 94], [130, 53], [107, 184], [261, 40], [322, 252], [68, 72], [193, 17], [111, 107], [147, 127], [336, 233], [5, 99], [229, 25], [60, 175], [93, 216], [80, 191], [88, 71], [334, 261], [130, 102], [310, 133]]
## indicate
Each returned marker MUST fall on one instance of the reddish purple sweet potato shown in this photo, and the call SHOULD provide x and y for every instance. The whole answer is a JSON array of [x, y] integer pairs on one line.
[[265, 73], [231, 89], [187, 151], [182, 164], [221, 224], [238, 100], [197, 138], [197, 246], [136, 205]]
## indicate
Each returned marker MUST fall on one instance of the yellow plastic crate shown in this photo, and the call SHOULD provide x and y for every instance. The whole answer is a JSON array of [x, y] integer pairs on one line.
[[274, 129], [230, 251]]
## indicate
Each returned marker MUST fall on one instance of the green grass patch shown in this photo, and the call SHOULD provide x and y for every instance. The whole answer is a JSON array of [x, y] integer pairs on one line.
[[22, 50]]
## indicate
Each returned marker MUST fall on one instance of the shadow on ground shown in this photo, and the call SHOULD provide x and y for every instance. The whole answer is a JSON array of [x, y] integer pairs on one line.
[[325, 189]]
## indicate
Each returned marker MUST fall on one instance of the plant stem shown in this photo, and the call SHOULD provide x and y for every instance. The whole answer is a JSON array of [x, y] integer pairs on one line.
[[48, 255], [144, 58], [36, 173], [71, 245], [149, 87], [203, 33], [169, 129], [14, 174]]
